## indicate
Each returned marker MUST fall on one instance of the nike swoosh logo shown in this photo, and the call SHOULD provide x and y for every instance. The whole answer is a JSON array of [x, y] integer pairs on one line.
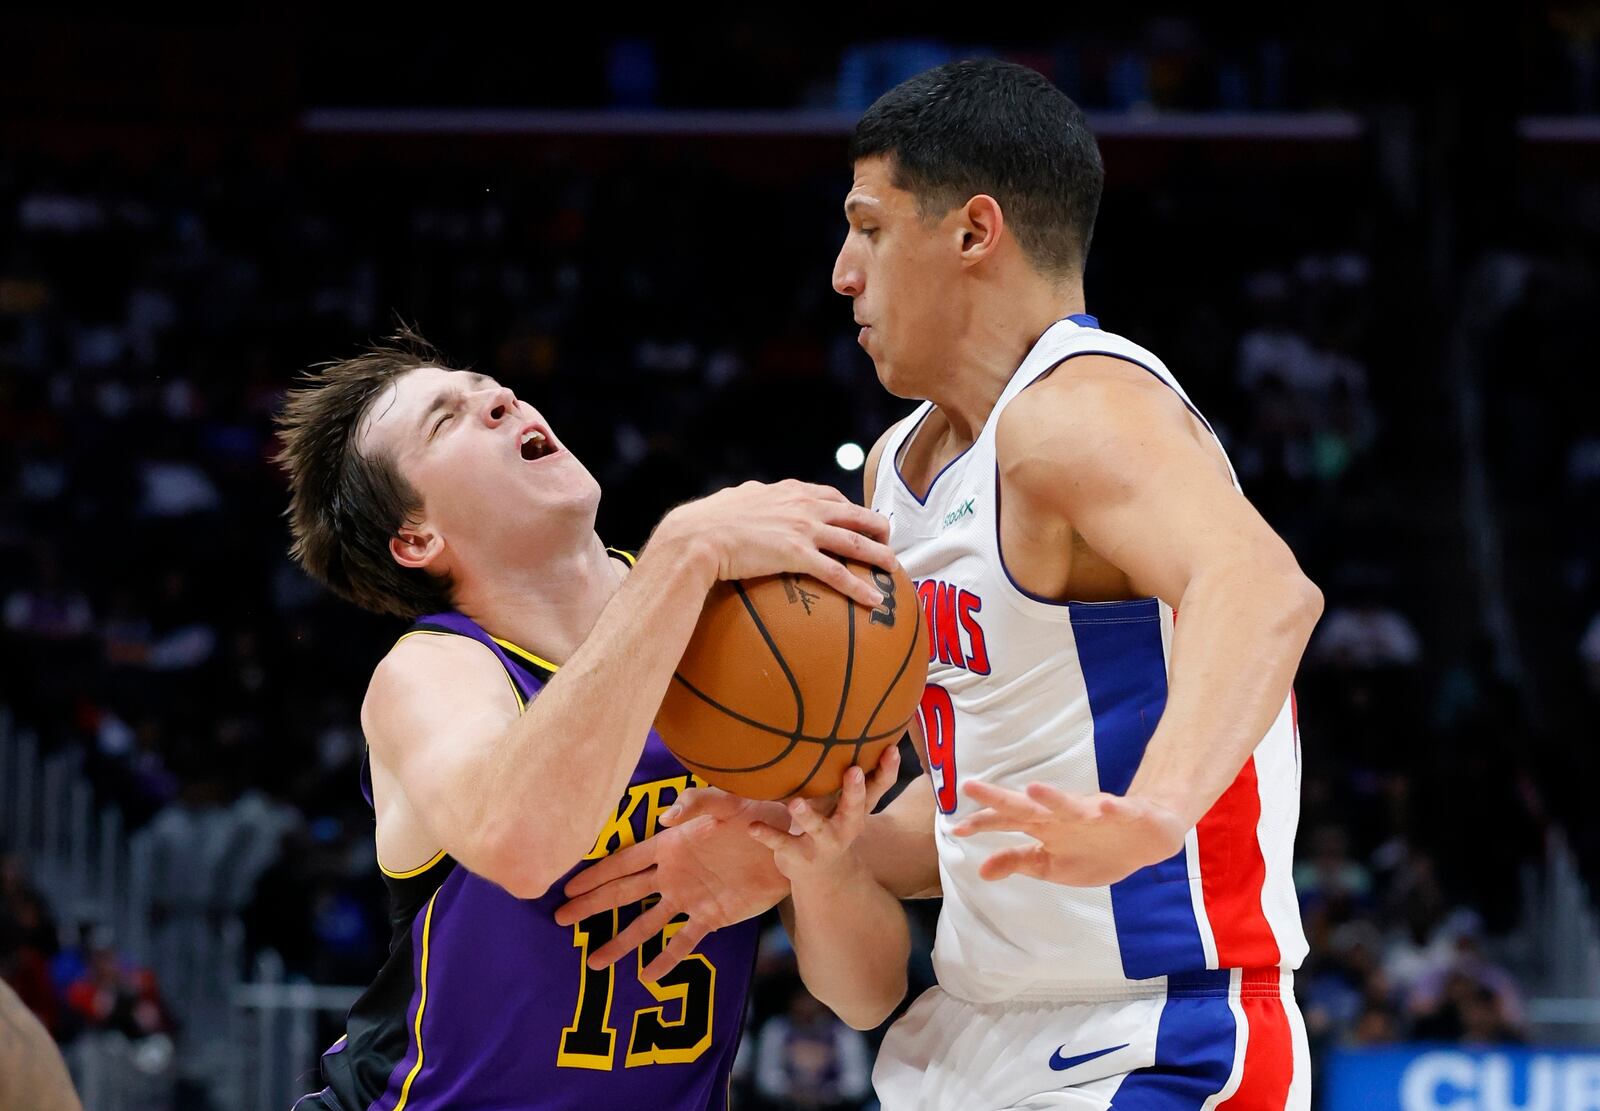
[[1062, 1064]]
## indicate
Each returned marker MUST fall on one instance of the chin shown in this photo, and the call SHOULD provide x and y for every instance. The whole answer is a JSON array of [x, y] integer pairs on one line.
[[893, 380], [576, 495]]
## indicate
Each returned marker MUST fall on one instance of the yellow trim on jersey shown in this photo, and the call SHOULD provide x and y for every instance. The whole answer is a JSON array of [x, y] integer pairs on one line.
[[675, 987], [632, 559], [536, 661], [422, 1004], [600, 1061], [414, 872], [512, 683]]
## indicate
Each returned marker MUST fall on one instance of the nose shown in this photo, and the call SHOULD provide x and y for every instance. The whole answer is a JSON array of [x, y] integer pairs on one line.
[[847, 276], [497, 405]]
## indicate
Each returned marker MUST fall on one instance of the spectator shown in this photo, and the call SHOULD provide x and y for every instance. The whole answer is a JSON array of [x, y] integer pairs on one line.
[[48, 608], [113, 994], [28, 941], [807, 1060], [1366, 634], [1447, 999], [1329, 878]]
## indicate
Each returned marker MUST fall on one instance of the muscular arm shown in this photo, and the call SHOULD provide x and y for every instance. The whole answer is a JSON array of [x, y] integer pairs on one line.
[[1113, 451], [500, 792], [32, 1074]]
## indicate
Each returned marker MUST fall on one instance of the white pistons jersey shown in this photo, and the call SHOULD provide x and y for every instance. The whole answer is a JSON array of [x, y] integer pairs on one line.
[[1022, 690]]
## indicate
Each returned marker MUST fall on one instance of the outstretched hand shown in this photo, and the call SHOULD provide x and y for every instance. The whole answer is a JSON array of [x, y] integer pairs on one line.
[[703, 865], [1079, 840]]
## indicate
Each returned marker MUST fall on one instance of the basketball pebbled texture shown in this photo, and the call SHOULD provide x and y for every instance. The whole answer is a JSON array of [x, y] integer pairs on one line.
[[786, 683]]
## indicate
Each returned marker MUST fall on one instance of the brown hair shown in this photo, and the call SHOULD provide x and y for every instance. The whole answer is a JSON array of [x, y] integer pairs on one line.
[[344, 507]]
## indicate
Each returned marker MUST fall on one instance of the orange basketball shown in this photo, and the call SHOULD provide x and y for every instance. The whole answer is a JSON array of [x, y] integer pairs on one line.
[[787, 682]]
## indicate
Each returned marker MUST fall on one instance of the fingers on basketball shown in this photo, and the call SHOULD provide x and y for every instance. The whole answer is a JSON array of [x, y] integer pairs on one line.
[[788, 681]]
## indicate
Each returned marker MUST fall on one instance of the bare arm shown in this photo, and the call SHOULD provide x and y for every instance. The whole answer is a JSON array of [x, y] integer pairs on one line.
[[1111, 450], [481, 778], [850, 935], [32, 1074], [898, 846]]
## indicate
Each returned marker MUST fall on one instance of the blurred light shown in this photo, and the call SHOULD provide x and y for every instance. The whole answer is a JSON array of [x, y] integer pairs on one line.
[[850, 457]]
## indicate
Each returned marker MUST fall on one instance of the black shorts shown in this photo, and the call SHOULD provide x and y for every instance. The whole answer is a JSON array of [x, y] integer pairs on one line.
[[320, 1101]]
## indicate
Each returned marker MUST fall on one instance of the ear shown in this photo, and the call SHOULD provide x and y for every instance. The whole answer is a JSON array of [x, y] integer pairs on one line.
[[980, 223], [416, 547]]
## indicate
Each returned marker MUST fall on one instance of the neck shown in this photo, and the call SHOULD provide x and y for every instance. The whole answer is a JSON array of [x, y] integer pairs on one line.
[[1002, 328], [548, 606]]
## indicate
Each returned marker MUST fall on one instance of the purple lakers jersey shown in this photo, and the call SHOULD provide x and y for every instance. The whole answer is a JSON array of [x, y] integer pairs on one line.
[[485, 1002]]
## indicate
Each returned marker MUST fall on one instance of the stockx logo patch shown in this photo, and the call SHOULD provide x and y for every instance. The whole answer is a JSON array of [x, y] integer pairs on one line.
[[960, 511]]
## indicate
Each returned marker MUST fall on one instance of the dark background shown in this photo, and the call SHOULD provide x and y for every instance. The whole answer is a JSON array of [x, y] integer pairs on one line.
[[1386, 315]]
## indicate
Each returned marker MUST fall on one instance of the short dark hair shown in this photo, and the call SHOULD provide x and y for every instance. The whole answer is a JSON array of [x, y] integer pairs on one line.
[[344, 506], [986, 126]]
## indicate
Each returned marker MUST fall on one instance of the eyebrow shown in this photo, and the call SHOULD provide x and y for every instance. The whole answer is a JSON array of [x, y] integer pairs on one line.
[[854, 203], [445, 397]]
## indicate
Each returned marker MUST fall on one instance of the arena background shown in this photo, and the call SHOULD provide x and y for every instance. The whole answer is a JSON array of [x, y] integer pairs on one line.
[[1368, 243]]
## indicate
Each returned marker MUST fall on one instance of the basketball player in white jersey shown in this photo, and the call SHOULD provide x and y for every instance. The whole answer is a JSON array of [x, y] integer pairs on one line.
[[1112, 793]]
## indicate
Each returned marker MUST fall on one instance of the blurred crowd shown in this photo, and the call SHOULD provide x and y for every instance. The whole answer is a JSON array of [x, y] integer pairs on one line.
[[1128, 58], [157, 632], [72, 976]]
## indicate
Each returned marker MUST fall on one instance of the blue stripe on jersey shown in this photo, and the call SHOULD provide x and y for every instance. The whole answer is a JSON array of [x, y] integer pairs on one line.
[[1196, 1040], [1125, 673], [1084, 320]]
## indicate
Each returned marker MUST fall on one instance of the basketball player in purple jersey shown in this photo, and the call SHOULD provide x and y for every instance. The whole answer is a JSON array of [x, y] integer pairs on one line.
[[509, 739]]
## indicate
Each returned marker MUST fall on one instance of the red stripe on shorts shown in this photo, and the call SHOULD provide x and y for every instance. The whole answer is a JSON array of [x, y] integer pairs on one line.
[[1269, 1045]]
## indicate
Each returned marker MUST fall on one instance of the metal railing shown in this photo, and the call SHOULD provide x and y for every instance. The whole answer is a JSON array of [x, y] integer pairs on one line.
[[185, 927], [1561, 933], [94, 872], [276, 1046]]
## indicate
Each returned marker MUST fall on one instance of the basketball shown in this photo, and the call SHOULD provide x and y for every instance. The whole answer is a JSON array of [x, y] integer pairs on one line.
[[786, 683]]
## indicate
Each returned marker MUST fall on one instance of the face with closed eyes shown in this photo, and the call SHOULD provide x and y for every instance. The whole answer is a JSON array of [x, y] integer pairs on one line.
[[495, 481]]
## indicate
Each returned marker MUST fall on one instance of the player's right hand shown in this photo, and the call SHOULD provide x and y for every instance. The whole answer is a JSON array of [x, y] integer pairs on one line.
[[757, 529]]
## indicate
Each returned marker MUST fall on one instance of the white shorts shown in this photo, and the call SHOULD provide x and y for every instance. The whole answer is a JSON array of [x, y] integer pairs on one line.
[[1229, 1039]]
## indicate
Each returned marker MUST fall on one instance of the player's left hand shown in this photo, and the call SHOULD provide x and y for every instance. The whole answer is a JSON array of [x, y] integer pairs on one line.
[[1080, 840], [818, 842], [701, 864]]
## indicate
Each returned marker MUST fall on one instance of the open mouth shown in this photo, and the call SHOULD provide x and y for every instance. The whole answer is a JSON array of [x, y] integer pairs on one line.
[[535, 445]]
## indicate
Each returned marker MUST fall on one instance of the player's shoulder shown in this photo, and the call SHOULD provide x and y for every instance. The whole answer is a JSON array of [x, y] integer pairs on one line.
[[424, 670], [1088, 430], [1081, 404]]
